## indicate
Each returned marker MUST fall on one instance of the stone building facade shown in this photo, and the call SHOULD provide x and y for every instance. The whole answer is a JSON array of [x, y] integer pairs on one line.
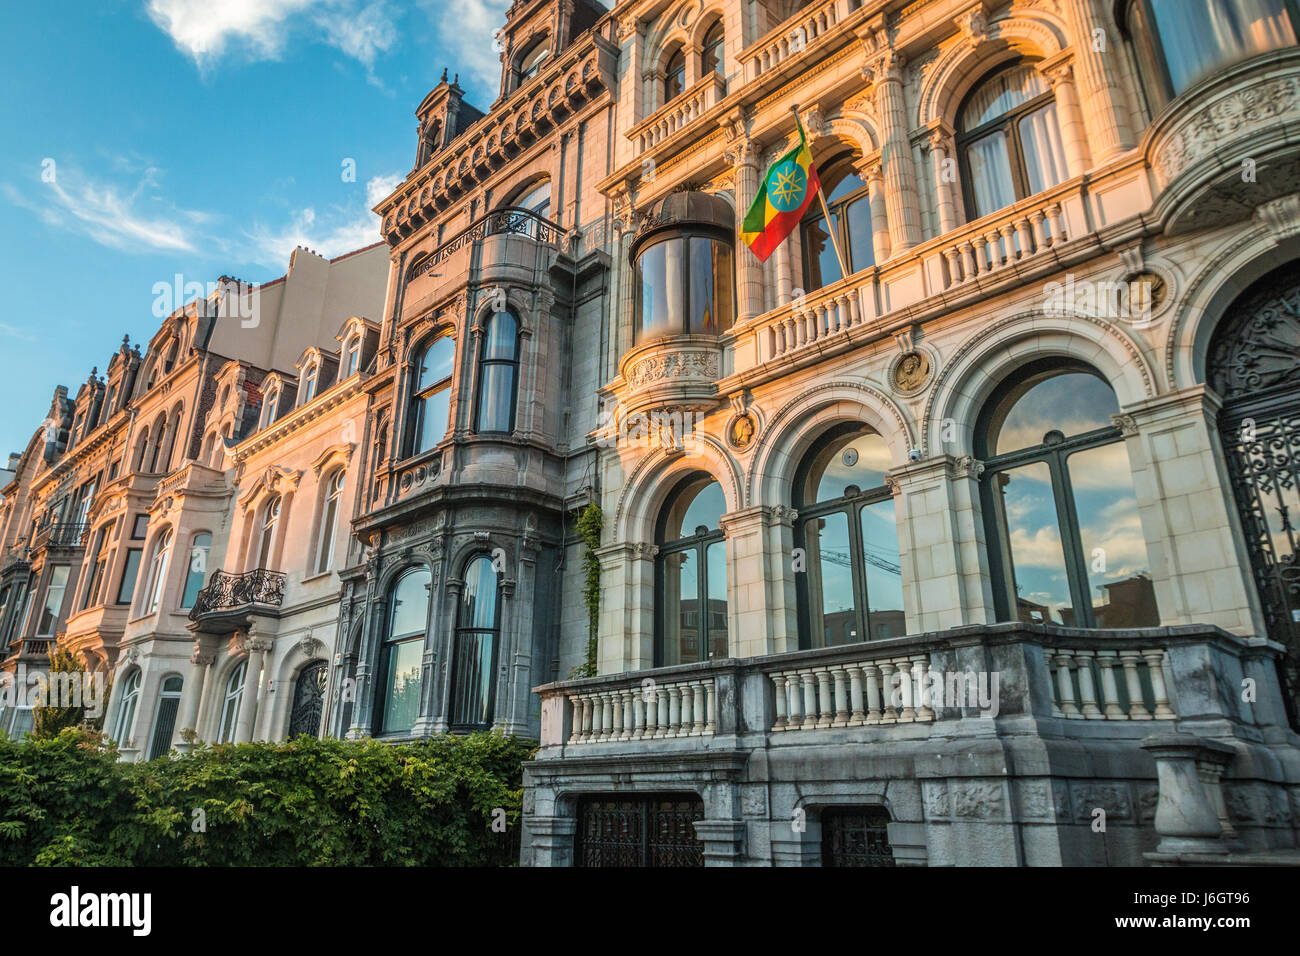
[[960, 530]]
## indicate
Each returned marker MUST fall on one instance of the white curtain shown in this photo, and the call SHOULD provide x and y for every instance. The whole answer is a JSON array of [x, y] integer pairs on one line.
[[990, 174], [1040, 138]]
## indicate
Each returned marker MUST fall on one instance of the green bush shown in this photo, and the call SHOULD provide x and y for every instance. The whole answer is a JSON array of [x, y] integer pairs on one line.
[[304, 802]]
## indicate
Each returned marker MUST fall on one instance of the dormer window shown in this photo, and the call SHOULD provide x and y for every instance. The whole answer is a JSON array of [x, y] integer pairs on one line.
[[351, 356], [169, 362], [268, 411], [309, 383], [530, 64]]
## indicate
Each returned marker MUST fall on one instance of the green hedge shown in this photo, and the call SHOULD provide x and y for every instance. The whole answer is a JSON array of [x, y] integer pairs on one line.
[[67, 801]]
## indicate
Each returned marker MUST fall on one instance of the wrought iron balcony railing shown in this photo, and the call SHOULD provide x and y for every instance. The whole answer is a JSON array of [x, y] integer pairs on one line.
[[512, 220], [228, 593], [61, 534]]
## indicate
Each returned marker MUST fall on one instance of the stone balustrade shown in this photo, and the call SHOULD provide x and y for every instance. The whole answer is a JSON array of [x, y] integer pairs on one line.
[[874, 690], [999, 242], [646, 711], [793, 36], [679, 113], [1109, 684], [811, 319]]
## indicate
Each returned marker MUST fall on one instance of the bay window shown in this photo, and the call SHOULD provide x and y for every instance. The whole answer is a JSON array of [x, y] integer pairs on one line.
[[431, 394], [402, 652], [498, 374]]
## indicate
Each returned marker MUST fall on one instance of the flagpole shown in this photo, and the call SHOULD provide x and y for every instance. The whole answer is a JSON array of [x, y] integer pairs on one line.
[[830, 223]]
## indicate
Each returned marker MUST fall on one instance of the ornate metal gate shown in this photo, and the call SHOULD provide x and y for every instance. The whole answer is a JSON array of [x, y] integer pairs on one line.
[[308, 700], [1254, 365], [652, 830], [856, 836]]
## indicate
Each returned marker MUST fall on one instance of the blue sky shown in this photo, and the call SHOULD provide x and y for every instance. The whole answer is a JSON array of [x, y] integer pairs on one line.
[[140, 139]]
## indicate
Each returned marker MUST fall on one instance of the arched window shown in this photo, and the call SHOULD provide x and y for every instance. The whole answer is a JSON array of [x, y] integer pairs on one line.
[[1009, 140], [530, 64], [1064, 536], [850, 587], [329, 517], [164, 724], [850, 209], [156, 438], [537, 199], [266, 538], [351, 356], [691, 574], [431, 394], [200, 551], [126, 709], [675, 75], [158, 572], [477, 628], [309, 376], [269, 407], [230, 703], [498, 374], [169, 362], [400, 657], [712, 53], [1178, 43]]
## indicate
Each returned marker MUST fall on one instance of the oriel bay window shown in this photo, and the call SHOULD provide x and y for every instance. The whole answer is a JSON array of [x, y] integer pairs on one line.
[[1009, 140], [402, 652], [848, 575], [430, 394], [1177, 42], [850, 209], [478, 630], [498, 374], [1064, 535], [691, 574]]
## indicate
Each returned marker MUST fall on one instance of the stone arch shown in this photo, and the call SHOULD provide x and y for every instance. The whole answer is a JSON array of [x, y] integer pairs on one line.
[[798, 425], [701, 24], [945, 85], [654, 477], [1228, 271], [969, 377]]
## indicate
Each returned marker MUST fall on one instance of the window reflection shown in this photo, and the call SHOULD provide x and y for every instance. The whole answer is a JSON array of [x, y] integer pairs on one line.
[[691, 574], [686, 285], [850, 209], [403, 650]]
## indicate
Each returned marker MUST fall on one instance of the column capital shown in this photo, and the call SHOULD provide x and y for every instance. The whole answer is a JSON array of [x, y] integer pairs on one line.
[[200, 659]]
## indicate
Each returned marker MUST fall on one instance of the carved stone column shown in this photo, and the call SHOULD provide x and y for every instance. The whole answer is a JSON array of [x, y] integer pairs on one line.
[[743, 154], [257, 650], [945, 177], [1060, 73], [896, 153], [200, 667], [1097, 51]]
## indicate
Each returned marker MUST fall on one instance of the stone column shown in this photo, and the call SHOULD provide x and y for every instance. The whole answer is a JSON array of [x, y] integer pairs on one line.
[[1074, 138], [945, 185], [743, 154], [1097, 48], [896, 152], [200, 667], [880, 242], [760, 581], [257, 649]]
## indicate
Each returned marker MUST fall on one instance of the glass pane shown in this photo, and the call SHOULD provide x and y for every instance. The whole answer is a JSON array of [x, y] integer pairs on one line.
[[659, 271], [701, 506], [716, 556], [1114, 548], [198, 566], [821, 264], [1072, 403], [1000, 94], [129, 573], [410, 610], [433, 419], [402, 686], [856, 459], [681, 608], [1031, 540], [833, 619], [502, 333], [436, 363], [862, 253], [53, 599], [478, 607], [1040, 138], [496, 397], [885, 617], [1198, 37], [724, 309], [990, 173], [472, 679]]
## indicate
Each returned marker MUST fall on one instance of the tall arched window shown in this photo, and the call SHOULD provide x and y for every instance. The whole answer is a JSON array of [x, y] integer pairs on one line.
[[712, 51], [399, 663], [158, 572], [850, 209], [850, 583], [266, 537], [477, 628], [230, 702], [691, 574], [498, 373], [1178, 43], [531, 63], [675, 75], [198, 557], [156, 437], [1009, 140], [309, 376], [1064, 535], [329, 517], [164, 723], [431, 394], [351, 356], [126, 709]]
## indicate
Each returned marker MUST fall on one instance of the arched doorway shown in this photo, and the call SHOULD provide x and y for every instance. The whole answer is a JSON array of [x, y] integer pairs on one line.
[[308, 700], [1254, 366]]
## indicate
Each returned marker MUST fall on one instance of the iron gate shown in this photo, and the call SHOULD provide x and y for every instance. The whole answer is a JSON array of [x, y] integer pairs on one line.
[[651, 830], [856, 836]]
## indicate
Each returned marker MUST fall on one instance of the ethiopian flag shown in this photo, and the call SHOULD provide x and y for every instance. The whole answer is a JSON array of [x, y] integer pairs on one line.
[[782, 199]]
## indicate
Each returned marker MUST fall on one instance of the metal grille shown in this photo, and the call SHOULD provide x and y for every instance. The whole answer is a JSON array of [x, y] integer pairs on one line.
[[856, 836], [308, 700], [654, 830]]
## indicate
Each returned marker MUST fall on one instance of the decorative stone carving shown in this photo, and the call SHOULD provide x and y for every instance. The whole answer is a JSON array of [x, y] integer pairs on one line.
[[679, 363], [1281, 217], [910, 372], [741, 431]]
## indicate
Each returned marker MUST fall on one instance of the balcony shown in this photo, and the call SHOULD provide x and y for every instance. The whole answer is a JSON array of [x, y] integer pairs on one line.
[[1227, 145], [794, 36], [231, 601], [679, 112], [61, 534]]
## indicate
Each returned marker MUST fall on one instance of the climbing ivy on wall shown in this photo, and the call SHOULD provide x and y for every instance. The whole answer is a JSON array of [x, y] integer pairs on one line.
[[590, 523]]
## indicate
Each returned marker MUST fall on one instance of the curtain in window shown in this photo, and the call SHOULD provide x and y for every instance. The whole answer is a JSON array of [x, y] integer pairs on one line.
[[990, 174], [1040, 138]]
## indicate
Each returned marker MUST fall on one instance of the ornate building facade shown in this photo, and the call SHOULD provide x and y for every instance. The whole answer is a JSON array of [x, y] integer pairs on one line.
[[961, 530]]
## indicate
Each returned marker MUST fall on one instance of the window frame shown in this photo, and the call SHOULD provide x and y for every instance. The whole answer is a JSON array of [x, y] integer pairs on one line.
[[838, 209], [266, 533], [240, 670], [389, 641], [165, 696], [698, 543], [333, 498], [671, 71], [130, 698], [684, 234], [418, 403], [190, 573], [484, 362], [464, 631], [711, 47], [158, 571]]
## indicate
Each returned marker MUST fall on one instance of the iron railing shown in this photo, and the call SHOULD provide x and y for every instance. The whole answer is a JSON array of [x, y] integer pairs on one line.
[[231, 592], [61, 534], [511, 220]]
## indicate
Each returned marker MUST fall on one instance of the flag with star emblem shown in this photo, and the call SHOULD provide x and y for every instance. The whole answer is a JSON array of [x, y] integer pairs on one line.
[[782, 199]]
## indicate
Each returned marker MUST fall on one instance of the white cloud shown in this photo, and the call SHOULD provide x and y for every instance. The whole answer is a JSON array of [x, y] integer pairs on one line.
[[466, 27], [206, 30], [108, 214], [340, 231]]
